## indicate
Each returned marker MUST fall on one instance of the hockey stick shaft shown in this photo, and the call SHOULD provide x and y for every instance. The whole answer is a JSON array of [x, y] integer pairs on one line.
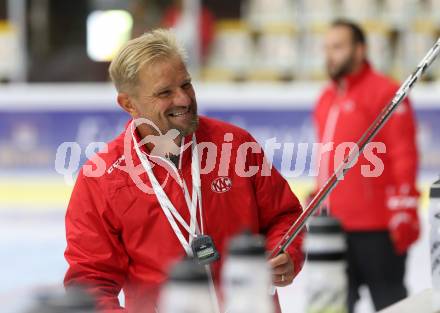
[[352, 157]]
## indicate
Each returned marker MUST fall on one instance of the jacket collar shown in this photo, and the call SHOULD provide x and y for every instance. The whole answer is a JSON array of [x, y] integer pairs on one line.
[[186, 154]]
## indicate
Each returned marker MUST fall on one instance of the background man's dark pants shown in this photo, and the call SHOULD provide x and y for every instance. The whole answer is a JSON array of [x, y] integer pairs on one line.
[[373, 262]]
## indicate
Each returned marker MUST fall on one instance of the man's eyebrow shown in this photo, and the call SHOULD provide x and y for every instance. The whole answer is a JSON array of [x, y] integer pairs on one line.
[[161, 89]]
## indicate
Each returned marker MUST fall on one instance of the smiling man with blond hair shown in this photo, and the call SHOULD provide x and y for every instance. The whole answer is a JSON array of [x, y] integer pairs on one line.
[[126, 227]]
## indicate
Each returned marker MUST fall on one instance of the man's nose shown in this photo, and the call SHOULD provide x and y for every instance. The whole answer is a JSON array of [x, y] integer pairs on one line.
[[182, 98]]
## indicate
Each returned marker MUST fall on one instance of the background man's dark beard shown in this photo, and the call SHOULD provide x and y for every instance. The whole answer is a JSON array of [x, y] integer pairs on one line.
[[345, 69]]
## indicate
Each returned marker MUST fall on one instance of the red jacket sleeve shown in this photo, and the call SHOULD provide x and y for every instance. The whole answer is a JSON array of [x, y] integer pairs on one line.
[[399, 136], [97, 259], [278, 208]]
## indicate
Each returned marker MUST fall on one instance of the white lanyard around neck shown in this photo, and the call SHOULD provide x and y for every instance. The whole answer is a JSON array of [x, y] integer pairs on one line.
[[167, 206]]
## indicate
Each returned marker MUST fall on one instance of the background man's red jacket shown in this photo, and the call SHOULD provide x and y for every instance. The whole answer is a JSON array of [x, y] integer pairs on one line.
[[342, 115]]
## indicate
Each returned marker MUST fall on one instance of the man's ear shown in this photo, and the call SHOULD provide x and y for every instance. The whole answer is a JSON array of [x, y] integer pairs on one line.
[[127, 104]]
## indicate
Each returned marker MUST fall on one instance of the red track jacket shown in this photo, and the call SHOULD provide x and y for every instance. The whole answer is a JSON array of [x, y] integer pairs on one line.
[[118, 236], [364, 203]]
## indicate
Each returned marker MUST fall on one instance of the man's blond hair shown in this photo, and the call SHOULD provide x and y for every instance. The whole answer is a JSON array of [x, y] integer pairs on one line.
[[144, 50]]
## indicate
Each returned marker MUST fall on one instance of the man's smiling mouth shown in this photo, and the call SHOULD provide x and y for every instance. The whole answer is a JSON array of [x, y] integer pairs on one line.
[[179, 113]]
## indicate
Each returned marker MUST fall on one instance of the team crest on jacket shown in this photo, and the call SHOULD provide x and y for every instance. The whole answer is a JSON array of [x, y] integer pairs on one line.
[[221, 184]]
